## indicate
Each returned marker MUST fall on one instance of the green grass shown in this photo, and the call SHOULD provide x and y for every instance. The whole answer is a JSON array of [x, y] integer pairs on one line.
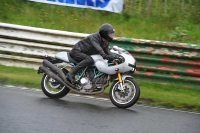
[[164, 95], [19, 76], [127, 24], [175, 96]]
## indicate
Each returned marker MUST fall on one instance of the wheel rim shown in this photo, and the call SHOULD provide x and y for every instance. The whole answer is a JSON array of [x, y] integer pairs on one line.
[[126, 96], [51, 86]]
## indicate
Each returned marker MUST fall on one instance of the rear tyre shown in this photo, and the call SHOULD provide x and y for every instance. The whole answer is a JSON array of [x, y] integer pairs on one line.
[[52, 89], [127, 98]]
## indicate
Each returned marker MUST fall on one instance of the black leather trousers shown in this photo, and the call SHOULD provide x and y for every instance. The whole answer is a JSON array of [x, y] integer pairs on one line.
[[83, 59]]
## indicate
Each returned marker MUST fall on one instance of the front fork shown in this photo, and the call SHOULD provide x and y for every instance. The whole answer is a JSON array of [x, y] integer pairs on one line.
[[120, 78]]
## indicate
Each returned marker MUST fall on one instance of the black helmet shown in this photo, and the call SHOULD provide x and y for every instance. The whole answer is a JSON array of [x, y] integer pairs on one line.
[[107, 32]]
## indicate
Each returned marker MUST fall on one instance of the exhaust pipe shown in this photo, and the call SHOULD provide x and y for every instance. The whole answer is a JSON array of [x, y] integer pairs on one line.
[[56, 77], [67, 84], [55, 69], [51, 74]]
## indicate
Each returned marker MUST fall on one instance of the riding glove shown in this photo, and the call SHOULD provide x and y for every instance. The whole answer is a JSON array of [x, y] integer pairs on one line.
[[109, 57]]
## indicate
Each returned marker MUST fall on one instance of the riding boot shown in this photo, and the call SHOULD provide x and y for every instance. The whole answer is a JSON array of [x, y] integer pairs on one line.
[[71, 75]]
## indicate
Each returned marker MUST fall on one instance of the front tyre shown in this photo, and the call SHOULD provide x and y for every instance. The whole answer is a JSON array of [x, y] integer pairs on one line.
[[127, 98], [52, 89]]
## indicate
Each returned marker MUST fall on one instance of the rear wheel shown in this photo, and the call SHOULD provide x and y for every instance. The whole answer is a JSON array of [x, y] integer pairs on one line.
[[128, 97], [53, 89]]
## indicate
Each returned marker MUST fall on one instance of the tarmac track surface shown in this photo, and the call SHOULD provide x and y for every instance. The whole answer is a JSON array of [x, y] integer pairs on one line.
[[24, 110]]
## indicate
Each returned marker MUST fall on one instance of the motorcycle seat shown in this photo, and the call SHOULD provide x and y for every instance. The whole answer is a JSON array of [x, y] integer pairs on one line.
[[71, 59]]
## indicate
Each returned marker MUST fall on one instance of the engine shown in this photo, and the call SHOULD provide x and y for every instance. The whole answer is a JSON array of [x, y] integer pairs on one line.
[[89, 83], [85, 83]]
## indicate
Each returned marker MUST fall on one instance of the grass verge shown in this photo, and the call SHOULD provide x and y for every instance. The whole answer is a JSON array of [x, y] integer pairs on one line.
[[164, 28], [154, 94]]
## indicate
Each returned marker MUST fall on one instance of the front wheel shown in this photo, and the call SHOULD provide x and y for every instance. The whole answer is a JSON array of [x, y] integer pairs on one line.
[[126, 98], [52, 89]]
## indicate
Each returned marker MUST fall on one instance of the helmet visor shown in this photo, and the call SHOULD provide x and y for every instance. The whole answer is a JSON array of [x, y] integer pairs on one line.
[[111, 35]]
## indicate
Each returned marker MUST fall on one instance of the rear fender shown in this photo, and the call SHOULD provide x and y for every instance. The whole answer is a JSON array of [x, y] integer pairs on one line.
[[53, 60]]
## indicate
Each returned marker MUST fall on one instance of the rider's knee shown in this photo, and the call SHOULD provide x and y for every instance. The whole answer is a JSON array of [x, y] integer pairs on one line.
[[90, 60]]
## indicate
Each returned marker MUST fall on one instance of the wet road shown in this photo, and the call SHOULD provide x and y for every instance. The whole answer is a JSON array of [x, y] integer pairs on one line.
[[30, 111]]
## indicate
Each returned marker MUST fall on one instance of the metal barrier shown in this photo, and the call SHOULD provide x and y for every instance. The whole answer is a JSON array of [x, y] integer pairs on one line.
[[164, 61], [24, 46]]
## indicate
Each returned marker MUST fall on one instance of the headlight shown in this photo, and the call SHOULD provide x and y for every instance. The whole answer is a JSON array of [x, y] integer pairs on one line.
[[133, 67]]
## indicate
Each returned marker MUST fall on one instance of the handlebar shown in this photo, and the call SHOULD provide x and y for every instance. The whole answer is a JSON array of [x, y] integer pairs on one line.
[[118, 59]]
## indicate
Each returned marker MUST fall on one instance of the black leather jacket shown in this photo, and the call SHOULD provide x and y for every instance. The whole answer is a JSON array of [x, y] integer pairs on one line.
[[93, 44]]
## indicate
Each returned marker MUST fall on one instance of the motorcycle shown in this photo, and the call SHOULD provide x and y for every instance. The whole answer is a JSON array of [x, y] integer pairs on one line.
[[124, 91]]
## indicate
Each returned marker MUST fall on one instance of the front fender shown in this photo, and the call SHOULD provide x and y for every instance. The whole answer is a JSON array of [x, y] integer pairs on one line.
[[125, 76]]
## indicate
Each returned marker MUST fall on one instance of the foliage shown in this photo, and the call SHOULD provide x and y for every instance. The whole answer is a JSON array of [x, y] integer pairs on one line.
[[142, 19], [179, 34]]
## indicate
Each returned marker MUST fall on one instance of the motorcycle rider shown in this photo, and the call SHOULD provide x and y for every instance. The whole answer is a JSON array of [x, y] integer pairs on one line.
[[96, 43]]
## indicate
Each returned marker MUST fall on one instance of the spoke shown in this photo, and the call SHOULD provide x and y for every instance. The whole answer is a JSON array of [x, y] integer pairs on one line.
[[53, 87], [127, 95]]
